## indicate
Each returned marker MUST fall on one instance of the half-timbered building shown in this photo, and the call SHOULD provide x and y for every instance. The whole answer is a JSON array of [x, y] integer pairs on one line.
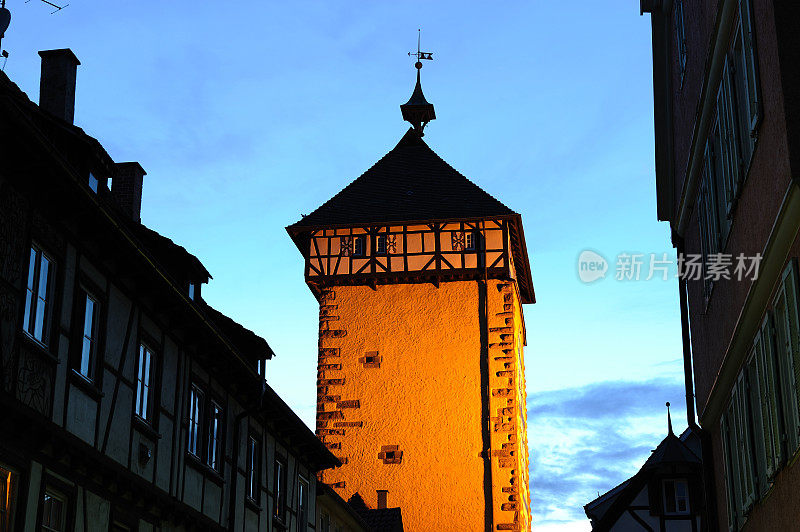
[[126, 401]]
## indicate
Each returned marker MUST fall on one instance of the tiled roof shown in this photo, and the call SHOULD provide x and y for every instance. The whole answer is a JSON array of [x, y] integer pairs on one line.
[[410, 183], [248, 342], [173, 257]]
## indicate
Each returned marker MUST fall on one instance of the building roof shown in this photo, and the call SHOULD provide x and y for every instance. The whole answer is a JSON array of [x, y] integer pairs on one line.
[[673, 450], [248, 342], [410, 183], [171, 256], [55, 137], [384, 519]]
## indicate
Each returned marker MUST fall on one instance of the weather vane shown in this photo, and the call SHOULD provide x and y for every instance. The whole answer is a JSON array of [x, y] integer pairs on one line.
[[420, 55], [51, 4]]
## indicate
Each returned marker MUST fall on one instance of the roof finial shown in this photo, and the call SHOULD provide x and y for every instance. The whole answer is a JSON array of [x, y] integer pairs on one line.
[[417, 110], [5, 19], [669, 420]]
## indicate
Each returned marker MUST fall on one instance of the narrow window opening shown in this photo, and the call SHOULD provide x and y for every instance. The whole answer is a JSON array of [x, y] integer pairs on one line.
[[144, 385], [93, 182]]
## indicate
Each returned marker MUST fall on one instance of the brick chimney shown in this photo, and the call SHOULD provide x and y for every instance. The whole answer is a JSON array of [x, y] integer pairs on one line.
[[57, 84], [126, 188]]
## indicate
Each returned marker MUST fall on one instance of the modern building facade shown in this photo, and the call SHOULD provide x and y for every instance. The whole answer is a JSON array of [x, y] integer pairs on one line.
[[126, 401], [727, 133], [421, 277]]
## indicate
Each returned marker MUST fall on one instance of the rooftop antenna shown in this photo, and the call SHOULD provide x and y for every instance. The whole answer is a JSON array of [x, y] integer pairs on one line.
[[417, 110], [51, 4]]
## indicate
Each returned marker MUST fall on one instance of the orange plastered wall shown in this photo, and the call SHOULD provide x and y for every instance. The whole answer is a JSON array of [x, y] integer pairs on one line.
[[425, 398], [400, 371]]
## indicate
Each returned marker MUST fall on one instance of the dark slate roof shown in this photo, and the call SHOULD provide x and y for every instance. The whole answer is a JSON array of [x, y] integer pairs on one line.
[[171, 256], [596, 509], [248, 342], [673, 450], [410, 183], [384, 519]]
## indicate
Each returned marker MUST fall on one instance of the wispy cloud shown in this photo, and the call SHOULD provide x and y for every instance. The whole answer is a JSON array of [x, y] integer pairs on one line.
[[588, 439]]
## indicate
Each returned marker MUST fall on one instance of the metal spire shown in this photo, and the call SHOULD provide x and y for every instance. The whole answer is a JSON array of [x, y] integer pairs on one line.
[[669, 420], [417, 110]]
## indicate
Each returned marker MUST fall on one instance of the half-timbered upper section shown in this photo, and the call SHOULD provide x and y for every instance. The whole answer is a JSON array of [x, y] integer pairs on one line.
[[412, 218]]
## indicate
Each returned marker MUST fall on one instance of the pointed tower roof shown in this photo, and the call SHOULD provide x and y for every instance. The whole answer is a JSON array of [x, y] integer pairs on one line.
[[411, 183]]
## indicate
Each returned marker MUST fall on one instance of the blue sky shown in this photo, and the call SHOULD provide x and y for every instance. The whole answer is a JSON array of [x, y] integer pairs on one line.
[[247, 114]]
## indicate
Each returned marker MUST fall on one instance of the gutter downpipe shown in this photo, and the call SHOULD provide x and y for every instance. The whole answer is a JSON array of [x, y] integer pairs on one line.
[[709, 488]]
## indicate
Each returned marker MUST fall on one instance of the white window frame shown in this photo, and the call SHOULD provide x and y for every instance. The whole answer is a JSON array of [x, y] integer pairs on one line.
[[216, 433], [676, 499], [144, 382], [36, 321], [195, 428], [89, 337]]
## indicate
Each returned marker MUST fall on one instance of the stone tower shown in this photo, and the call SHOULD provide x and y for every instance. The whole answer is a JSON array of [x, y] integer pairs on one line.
[[421, 277]]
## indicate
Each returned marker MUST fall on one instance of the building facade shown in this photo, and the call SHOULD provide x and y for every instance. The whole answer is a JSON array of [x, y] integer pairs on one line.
[[666, 494], [727, 114], [126, 401], [421, 277]]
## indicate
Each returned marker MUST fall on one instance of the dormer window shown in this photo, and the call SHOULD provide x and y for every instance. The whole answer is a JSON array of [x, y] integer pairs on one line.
[[191, 291], [93, 182], [676, 497], [380, 245]]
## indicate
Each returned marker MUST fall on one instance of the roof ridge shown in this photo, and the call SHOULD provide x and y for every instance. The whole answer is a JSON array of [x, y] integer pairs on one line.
[[385, 192]]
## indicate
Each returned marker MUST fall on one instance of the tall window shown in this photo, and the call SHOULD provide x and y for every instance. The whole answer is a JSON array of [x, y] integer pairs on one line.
[[680, 34], [54, 511], [469, 240], [380, 244], [144, 383], [88, 353], [676, 497], [195, 419], [358, 245], [302, 509], [215, 434], [280, 488], [253, 453], [38, 295], [8, 498], [191, 291], [760, 426]]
